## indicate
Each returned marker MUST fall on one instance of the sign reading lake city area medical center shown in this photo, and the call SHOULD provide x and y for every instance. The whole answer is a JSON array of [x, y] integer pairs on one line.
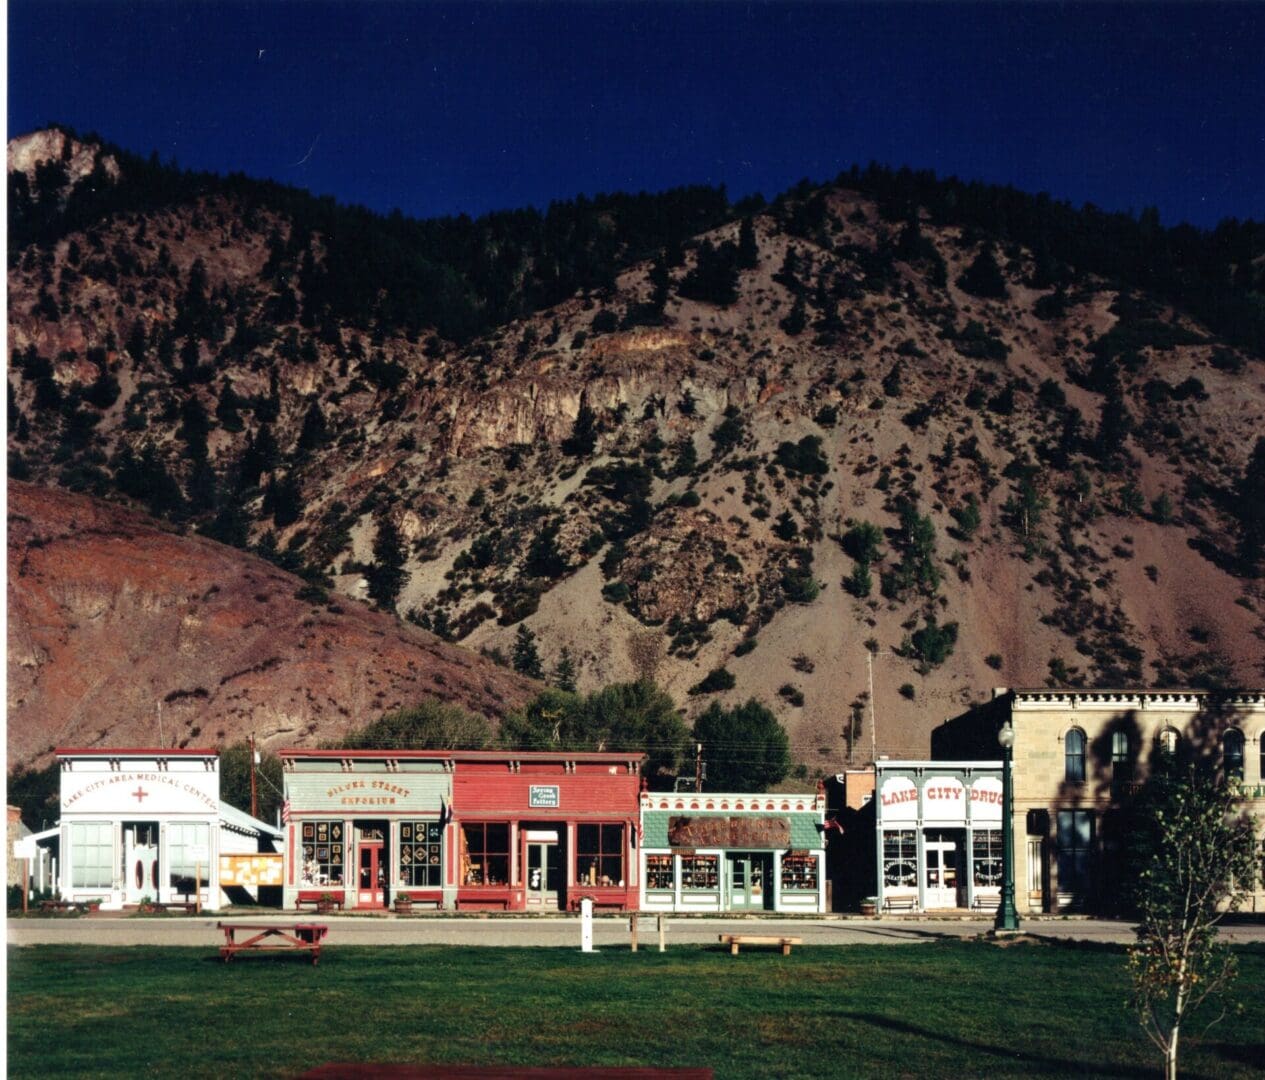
[[544, 795], [89, 791]]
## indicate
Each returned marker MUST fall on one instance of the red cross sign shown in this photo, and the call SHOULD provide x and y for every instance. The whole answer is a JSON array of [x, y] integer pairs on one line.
[[140, 793]]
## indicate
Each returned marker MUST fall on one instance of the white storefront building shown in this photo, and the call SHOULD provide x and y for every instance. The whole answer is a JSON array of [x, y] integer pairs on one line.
[[939, 834], [147, 824]]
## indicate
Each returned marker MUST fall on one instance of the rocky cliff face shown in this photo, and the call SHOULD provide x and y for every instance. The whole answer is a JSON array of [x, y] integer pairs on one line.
[[1046, 463]]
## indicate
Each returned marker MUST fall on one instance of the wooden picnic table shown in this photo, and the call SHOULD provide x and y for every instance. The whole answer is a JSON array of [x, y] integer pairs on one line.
[[271, 937]]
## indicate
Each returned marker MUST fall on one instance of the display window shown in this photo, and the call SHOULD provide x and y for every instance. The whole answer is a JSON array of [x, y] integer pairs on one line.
[[700, 872], [485, 853], [599, 854], [986, 857], [799, 873], [421, 854], [660, 872], [184, 838], [92, 854], [322, 853], [900, 858]]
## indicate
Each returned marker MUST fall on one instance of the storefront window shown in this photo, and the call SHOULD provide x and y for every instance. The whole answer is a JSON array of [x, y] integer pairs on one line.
[[92, 855], [659, 873], [182, 838], [599, 854], [1075, 842], [799, 872], [900, 858], [986, 856], [322, 853], [699, 872], [485, 853], [421, 861]]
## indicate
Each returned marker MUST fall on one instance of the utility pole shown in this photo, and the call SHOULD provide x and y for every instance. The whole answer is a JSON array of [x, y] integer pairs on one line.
[[254, 803], [698, 767], [161, 744], [869, 665]]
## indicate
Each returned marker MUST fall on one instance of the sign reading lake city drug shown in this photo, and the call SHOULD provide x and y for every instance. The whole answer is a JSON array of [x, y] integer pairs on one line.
[[140, 793], [899, 799], [986, 799], [714, 831], [544, 795]]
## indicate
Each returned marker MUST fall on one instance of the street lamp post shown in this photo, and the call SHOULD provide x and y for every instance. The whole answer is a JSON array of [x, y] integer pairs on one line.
[[1007, 920]]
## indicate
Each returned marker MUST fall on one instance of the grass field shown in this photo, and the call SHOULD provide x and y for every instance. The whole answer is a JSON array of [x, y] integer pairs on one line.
[[948, 1009]]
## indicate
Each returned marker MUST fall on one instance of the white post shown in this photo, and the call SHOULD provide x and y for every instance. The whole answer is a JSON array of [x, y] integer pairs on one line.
[[586, 925], [662, 928]]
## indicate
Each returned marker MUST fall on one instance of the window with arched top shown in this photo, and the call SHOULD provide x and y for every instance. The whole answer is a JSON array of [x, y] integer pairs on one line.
[[1168, 741], [1232, 754], [1121, 765], [1074, 756]]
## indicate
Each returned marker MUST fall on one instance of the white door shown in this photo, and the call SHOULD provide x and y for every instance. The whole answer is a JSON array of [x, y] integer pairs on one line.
[[940, 887], [140, 867]]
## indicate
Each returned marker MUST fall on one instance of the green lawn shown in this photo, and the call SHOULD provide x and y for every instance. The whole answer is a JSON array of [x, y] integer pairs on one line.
[[952, 1009]]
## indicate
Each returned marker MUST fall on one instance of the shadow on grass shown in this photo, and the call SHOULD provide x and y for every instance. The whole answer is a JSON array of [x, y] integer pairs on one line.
[[1035, 1063]]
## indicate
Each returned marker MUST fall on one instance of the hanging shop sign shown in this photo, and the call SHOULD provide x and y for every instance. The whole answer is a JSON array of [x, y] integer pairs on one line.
[[714, 831]]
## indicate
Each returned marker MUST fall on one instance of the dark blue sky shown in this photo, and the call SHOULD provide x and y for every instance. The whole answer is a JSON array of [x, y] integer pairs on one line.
[[435, 108]]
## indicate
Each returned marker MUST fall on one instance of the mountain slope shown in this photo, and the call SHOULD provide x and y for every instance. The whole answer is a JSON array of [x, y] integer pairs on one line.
[[670, 471]]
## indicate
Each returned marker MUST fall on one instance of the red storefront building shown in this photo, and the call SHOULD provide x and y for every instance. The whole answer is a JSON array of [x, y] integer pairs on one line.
[[463, 829]]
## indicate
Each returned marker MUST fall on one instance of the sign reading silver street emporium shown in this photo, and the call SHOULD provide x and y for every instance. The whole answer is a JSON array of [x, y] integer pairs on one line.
[[543, 795]]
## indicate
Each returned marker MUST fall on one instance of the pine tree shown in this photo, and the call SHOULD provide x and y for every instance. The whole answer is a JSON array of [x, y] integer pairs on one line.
[[387, 575], [526, 657], [564, 675], [583, 438]]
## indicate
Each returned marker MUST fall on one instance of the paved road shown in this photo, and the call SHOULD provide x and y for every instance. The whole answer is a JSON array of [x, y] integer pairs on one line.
[[608, 931]]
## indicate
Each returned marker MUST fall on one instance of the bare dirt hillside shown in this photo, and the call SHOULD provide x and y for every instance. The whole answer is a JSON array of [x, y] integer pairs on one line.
[[124, 633]]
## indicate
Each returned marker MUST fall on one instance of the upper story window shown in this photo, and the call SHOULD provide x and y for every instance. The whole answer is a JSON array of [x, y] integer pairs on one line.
[[1232, 754], [1074, 756], [1168, 741], [1121, 765]]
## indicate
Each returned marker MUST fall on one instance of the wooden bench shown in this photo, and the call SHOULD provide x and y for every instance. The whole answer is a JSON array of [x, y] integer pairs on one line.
[[734, 940], [316, 901], [272, 937], [900, 903], [61, 905], [470, 903], [986, 903], [615, 903]]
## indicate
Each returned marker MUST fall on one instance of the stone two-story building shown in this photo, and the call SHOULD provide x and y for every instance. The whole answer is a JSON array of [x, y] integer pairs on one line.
[[1080, 755]]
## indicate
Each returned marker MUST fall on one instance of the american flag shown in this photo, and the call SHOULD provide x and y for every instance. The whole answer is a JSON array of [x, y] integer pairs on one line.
[[285, 811]]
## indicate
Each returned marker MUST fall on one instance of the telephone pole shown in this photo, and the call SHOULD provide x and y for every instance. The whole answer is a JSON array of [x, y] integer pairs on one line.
[[254, 802], [869, 665], [698, 767]]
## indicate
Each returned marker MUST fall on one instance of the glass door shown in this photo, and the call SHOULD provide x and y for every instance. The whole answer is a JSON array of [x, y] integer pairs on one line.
[[544, 875], [941, 874], [371, 879], [750, 881]]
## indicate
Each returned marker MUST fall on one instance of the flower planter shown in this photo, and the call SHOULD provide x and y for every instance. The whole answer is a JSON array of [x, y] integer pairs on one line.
[[403, 905], [324, 907], [869, 907]]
